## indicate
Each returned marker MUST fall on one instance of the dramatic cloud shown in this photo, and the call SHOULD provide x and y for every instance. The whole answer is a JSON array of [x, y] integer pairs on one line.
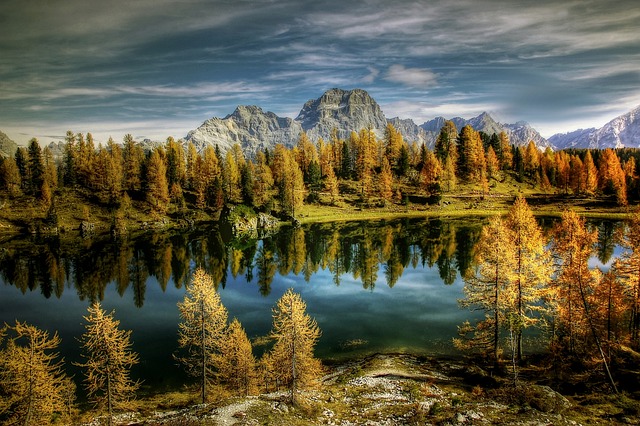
[[135, 65]]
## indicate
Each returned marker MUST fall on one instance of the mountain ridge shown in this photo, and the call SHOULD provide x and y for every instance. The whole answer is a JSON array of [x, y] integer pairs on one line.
[[621, 132], [345, 111]]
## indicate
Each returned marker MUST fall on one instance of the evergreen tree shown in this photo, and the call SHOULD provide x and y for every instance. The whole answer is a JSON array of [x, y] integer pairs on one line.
[[109, 358], [36, 167]]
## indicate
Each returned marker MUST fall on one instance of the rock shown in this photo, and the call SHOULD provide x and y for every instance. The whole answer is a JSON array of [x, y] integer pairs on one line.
[[545, 399]]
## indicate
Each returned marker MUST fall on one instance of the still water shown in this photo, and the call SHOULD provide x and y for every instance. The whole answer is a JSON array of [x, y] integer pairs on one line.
[[384, 286]]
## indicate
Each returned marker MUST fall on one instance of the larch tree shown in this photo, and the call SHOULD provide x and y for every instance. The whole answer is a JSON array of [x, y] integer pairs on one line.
[[237, 365], [201, 330], [574, 244], [295, 334], [612, 178], [627, 268], [531, 271], [109, 358], [33, 385], [484, 288], [11, 177], [385, 181], [132, 161], [157, 186], [590, 174]]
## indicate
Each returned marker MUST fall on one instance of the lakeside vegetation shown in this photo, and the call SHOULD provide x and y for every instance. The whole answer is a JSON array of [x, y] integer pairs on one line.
[[124, 187]]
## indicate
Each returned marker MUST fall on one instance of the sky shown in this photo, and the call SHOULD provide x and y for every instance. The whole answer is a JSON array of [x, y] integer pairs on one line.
[[159, 68]]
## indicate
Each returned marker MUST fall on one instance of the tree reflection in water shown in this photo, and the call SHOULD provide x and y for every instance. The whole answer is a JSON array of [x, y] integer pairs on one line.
[[366, 251]]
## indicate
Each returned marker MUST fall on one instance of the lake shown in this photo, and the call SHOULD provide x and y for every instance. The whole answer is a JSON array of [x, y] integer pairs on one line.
[[383, 286]]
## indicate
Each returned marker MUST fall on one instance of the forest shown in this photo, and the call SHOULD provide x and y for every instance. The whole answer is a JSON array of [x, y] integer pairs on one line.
[[180, 181]]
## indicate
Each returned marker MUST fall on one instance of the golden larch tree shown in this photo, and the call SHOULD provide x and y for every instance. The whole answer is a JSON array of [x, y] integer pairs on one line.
[[109, 358], [237, 365], [33, 385], [532, 268], [295, 334], [201, 330], [484, 288]]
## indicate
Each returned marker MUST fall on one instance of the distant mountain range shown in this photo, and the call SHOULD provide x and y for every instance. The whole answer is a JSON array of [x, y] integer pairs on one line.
[[621, 132], [346, 111], [342, 111]]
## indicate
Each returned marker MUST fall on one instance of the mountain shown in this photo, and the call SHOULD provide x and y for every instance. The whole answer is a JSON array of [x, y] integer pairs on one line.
[[7, 146], [519, 133], [248, 126], [621, 132], [343, 111]]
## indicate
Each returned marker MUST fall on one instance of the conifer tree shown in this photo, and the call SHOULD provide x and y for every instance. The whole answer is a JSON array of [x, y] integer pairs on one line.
[[295, 334], [36, 167], [386, 181], [132, 161], [531, 270], [486, 289], [237, 365], [10, 177], [109, 359], [627, 268], [157, 187], [201, 330], [33, 385], [574, 244]]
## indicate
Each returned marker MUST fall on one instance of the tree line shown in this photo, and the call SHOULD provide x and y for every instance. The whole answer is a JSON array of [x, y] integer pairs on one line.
[[522, 280], [174, 177], [35, 388]]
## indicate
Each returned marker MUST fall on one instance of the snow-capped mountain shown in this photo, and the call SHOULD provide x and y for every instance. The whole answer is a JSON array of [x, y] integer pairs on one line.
[[621, 132]]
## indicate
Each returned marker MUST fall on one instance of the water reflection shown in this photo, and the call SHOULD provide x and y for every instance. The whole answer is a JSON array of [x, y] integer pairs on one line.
[[363, 250]]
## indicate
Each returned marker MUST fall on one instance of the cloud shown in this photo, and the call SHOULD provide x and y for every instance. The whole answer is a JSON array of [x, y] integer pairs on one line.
[[412, 77]]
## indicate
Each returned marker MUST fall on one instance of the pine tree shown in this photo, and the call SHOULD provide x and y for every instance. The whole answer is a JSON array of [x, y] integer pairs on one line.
[[109, 359], [36, 167], [295, 334], [132, 161], [237, 364], [201, 330], [33, 385]]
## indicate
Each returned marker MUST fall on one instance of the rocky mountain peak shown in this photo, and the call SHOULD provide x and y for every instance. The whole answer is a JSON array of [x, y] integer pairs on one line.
[[622, 131], [344, 110]]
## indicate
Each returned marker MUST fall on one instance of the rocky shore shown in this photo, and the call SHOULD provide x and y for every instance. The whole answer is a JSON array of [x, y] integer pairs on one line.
[[388, 390]]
